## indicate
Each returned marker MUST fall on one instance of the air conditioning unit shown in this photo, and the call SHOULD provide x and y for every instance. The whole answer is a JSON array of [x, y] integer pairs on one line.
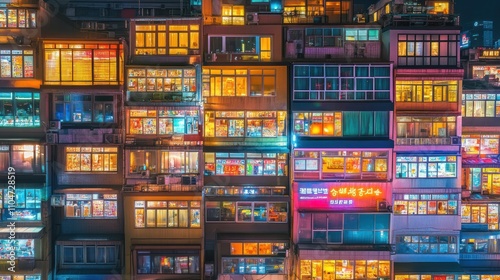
[[252, 18], [162, 180], [456, 140], [112, 138], [54, 125], [51, 138]]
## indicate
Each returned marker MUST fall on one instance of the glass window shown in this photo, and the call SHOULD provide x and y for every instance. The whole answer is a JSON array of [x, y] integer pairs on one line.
[[19, 109], [16, 63], [239, 82], [271, 212], [427, 50], [27, 205], [84, 108], [73, 64], [168, 262], [426, 244], [162, 214], [93, 206], [427, 167], [426, 91], [233, 15], [91, 159], [236, 123], [247, 164], [426, 204], [162, 122]]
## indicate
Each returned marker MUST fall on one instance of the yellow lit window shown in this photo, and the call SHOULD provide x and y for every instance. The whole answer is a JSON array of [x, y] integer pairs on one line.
[[265, 49], [183, 38], [150, 39], [233, 15], [91, 159], [402, 48], [440, 8], [387, 8]]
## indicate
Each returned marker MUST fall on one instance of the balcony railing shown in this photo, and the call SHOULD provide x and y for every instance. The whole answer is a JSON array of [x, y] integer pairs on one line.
[[420, 19], [423, 141], [168, 183]]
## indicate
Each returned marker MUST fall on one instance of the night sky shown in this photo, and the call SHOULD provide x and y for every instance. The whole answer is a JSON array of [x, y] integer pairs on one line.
[[470, 11]]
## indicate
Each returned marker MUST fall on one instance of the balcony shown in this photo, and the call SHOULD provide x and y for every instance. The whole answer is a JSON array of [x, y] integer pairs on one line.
[[168, 183], [420, 20], [234, 57], [426, 141], [169, 97], [353, 50]]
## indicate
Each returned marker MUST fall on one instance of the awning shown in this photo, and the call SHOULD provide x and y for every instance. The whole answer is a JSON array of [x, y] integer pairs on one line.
[[481, 162], [271, 237], [76, 239], [427, 268], [22, 232]]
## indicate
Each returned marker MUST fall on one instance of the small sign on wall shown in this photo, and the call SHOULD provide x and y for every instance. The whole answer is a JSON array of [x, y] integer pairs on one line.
[[57, 200]]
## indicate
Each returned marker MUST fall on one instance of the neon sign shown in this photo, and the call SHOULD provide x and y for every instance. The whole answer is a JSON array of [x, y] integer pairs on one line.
[[325, 195]]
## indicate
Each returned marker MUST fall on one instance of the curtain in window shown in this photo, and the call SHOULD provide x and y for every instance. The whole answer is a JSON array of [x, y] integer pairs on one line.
[[366, 123], [350, 124], [381, 123]]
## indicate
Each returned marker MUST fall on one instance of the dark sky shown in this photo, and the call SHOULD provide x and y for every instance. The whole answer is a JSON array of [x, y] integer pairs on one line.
[[470, 11]]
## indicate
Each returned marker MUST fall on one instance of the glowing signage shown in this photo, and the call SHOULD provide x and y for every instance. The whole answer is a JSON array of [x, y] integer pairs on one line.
[[326, 195]]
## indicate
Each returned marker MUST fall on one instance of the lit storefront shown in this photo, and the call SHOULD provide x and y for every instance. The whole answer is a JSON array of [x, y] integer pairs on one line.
[[336, 216], [481, 166]]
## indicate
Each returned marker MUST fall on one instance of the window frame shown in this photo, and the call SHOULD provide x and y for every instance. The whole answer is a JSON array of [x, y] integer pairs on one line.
[[147, 120], [144, 208], [428, 49], [14, 103], [418, 240], [91, 201], [425, 204], [62, 60], [234, 217], [91, 151], [239, 164], [237, 124], [420, 164], [334, 82], [70, 102], [13, 60], [30, 18]]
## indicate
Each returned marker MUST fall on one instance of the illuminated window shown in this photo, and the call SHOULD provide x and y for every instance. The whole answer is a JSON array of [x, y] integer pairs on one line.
[[426, 167], [24, 248], [19, 109], [347, 165], [91, 159], [480, 214], [17, 18], [171, 214], [183, 38], [481, 179], [340, 228], [345, 269], [166, 84], [480, 243], [239, 82], [16, 63], [168, 262], [261, 265], [233, 15], [439, 7], [247, 212], [426, 49], [26, 207], [426, 91], [91, 206], [244, 190], [425, 204], [151, 39], [246, 164], [170, 162], [253, 124], [84, 108], [480, 144], [361, 34], [481, 105], [341, 124], [339, 82], [240, 48], [426, 244], [81, 64], [23, 158], [162, 122], [425, 128]]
